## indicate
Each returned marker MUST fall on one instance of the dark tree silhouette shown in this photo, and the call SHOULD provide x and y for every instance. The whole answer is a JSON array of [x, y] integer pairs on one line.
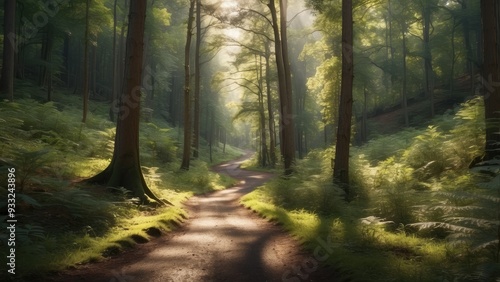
[[86, 64], [489, 15], [341, 167], [7, 80]]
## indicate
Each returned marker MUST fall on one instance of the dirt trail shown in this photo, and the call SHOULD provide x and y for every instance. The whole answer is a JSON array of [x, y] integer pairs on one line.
[[221, 241]]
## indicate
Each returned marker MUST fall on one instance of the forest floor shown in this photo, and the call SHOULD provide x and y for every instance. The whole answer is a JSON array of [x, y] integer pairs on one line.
[[221, 241]]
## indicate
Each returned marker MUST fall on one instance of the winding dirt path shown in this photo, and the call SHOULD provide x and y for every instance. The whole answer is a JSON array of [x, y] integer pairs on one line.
[[221, 241]]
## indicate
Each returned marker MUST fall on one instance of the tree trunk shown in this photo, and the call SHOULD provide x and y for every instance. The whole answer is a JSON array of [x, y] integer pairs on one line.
[[9, 35], [341, 167], [284, 81], [288, 122], [468, 47], [210, 132], [48, 61], [453, 58], [299, 90], [65, 76], [78, 67], [491, 77], [262, 116], [114, 86], [125, 169], [270, 110], [19, 46], [224, 140], [186, 155], [86, 64], [197, 78], [93, 71], [404, 95], [391, 53], [428, 71]]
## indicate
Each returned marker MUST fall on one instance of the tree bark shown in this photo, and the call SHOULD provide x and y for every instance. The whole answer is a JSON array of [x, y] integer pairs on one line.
[[262, 117], [9, 37], [390, 53], [288, 122], [453, 57], [270, 110], [210, 113], [197, 84], [404, 94], [125, 168], [114, 86], [86, 64], [186, 155], [491, 77], [428, 71], [341, 167], [287, 136], [468, 47], [48, 61]]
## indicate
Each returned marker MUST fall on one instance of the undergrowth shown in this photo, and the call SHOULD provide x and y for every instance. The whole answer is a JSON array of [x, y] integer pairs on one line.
[[418, 212], [62, 222]]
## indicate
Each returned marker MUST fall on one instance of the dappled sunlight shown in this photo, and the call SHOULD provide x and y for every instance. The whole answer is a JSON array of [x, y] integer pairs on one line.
[[330, 140], [257, 176]]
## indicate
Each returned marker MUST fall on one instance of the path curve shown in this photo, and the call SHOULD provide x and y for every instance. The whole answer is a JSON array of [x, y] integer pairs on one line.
[[221, 241]]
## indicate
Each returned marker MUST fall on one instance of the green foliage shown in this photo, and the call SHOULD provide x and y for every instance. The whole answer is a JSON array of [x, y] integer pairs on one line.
[[415, 179], [473, 222], [198, 179], [310, 189], [393, 191], [426, 155], [67, 224], [159, 143], [27, 164], [383, 147]]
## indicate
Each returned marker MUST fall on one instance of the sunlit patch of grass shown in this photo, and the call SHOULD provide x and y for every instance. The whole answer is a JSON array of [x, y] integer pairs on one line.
[[219, 154], [85, 168], [72, 224], [417, 175], [366, 253], [198, 179], [253, 164], [72, 248]]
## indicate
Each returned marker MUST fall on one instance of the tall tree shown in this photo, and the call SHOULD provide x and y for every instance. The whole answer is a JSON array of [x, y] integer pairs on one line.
[[287, 136], [125, 168], [404, 91], [9, 37], [197, 82], [491, 77], [262, 116], [270, 110], [341, 167], [114, 89], [427, 8], [86, 63], [186, 153]]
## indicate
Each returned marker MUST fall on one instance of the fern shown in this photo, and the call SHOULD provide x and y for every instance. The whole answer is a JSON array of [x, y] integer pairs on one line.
[[472, 219]]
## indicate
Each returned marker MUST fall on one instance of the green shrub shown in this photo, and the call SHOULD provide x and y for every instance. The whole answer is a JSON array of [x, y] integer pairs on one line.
[[393, 191], [426, 154]]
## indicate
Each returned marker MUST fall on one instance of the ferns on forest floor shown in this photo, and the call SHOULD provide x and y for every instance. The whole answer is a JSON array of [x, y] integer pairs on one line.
[[473, 222], [68, 223], [413, 179]]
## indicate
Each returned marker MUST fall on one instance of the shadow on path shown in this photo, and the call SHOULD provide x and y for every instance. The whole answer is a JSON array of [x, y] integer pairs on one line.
[[221, 241]]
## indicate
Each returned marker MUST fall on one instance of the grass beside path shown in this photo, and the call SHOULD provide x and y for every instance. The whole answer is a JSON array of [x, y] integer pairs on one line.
[[61, 223]]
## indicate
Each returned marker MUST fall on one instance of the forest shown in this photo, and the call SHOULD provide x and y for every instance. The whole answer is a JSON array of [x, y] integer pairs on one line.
[[258, 140]]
